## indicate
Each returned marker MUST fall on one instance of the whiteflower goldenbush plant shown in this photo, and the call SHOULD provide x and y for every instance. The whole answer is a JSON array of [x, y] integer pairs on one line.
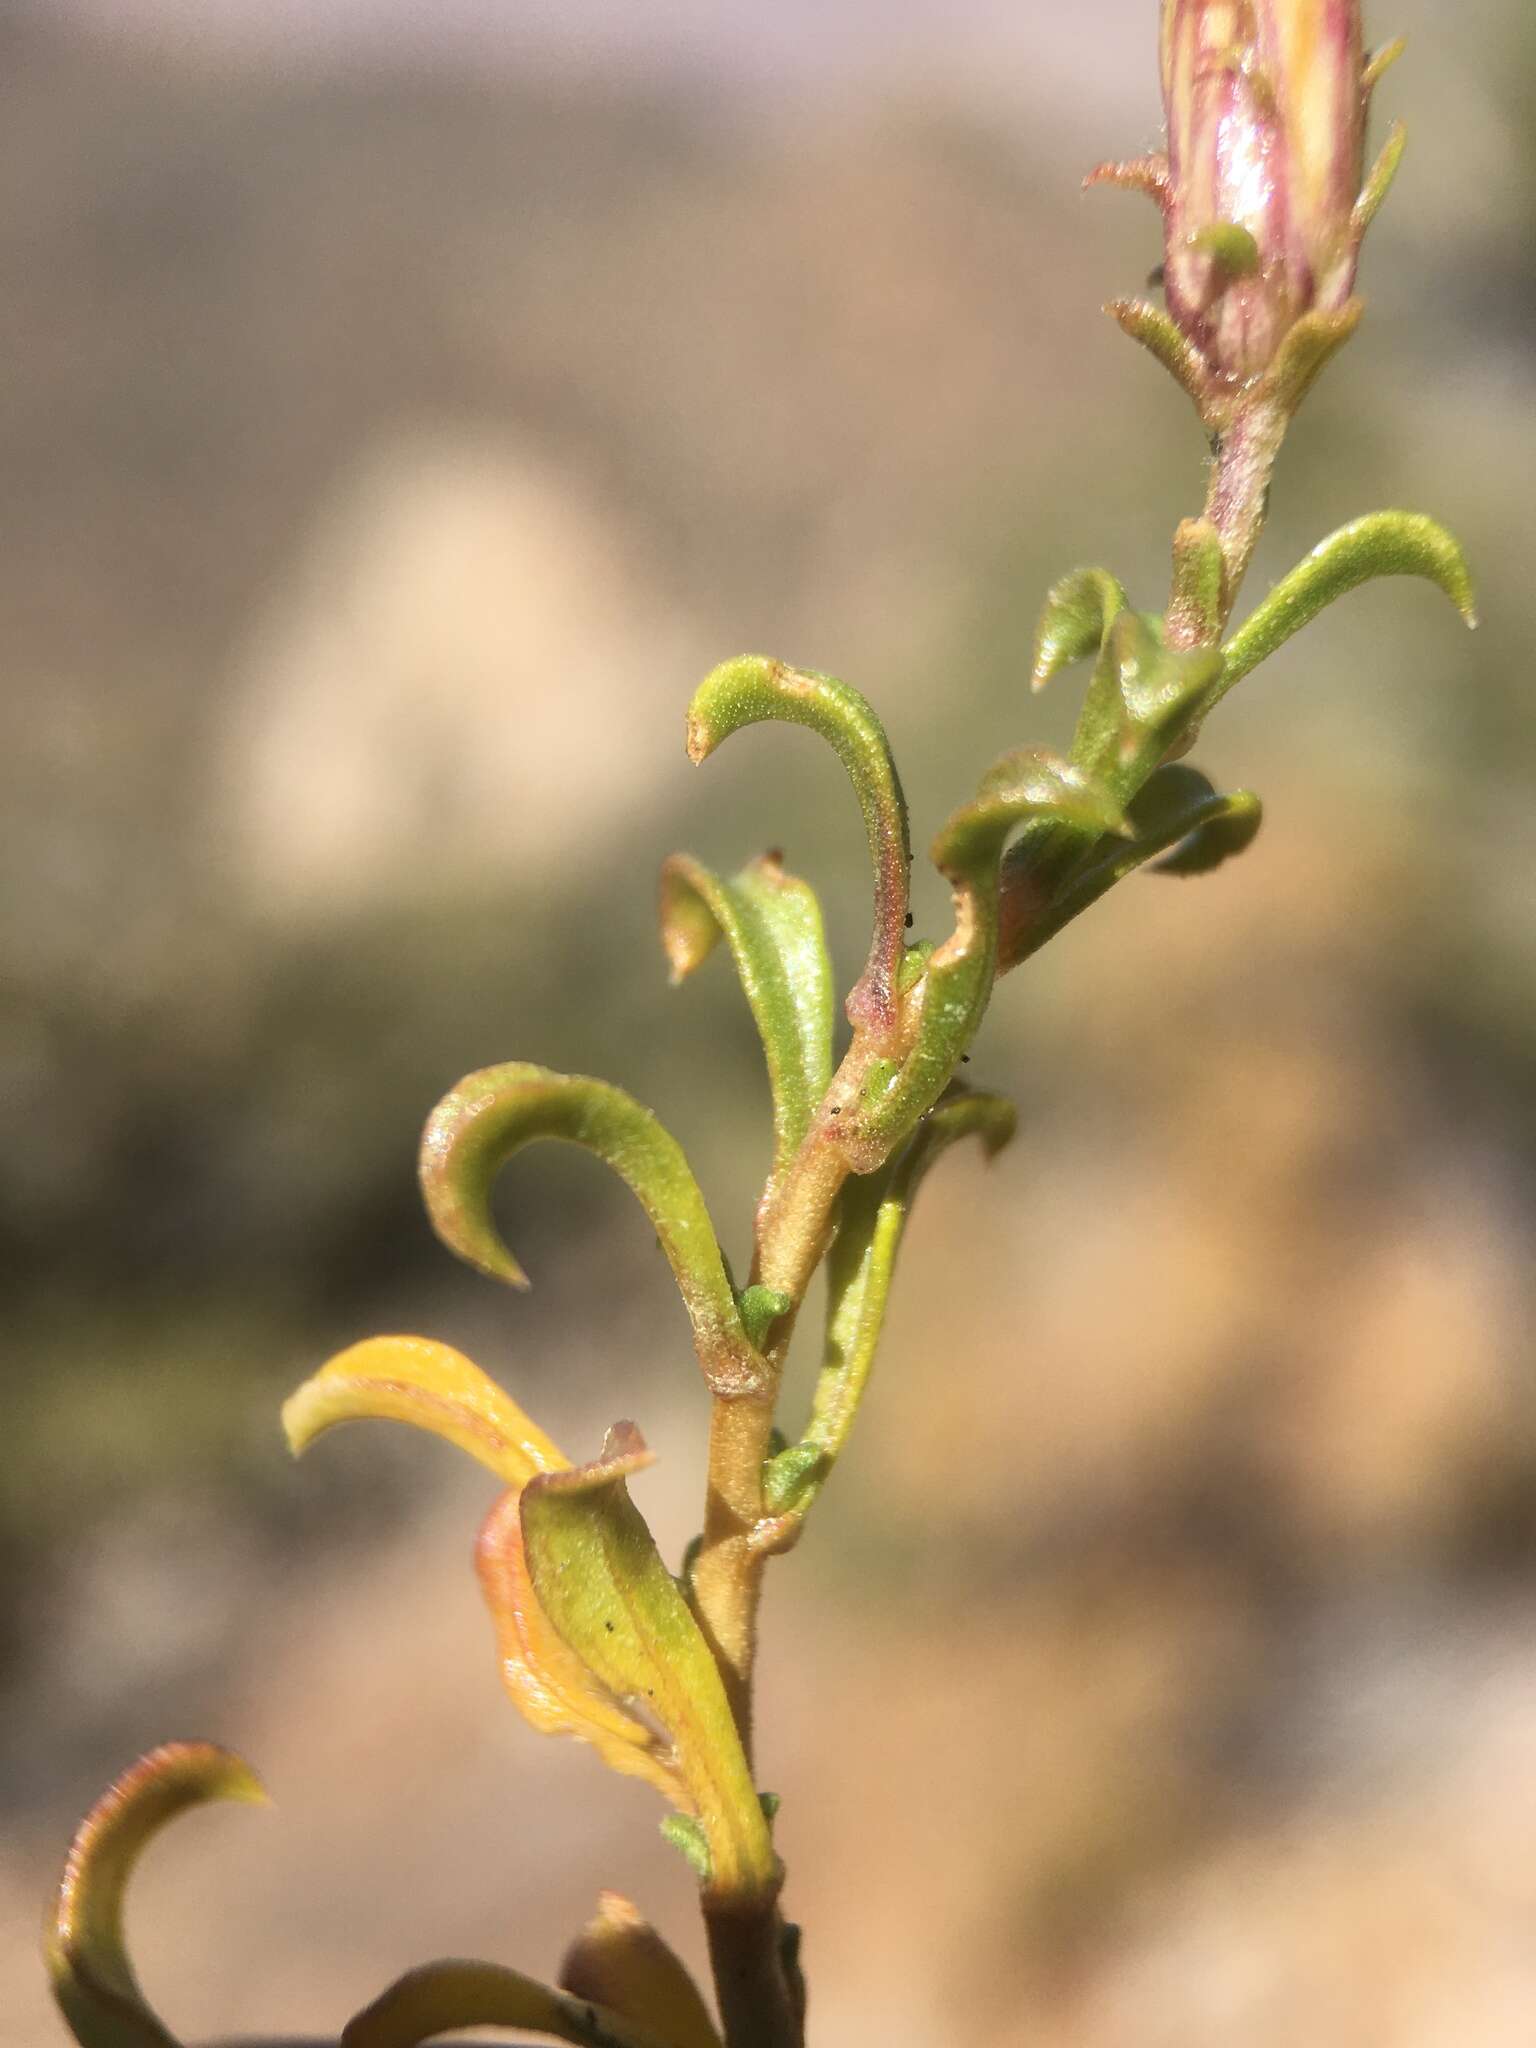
[[1265, 196]]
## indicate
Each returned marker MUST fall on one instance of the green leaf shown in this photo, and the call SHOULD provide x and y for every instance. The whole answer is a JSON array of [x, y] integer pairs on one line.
[[1222, 828], [872, 1220], [87, 1957], [1158, 335], [1381, 544], [1142, 700], [1029, 786], [621, 1962], [761, 1308], [772, 924], [600, 1579], [683, 1833], [1178, 814], [442, 1998], [751, 690], [1078, 613], [1310, 345], [491, 1115]]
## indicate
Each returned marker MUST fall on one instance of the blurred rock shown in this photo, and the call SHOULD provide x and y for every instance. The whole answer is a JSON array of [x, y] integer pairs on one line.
[[463, 674]]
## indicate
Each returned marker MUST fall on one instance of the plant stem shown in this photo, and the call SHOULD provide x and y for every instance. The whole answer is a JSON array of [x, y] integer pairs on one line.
[[759, 2008], [1236, 500], [793, 1227]]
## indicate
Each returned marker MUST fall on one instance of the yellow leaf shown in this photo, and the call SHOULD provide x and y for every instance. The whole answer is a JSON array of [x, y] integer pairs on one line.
[[413, 1379], [440, 1998], [619, 1960], [83, 1943]]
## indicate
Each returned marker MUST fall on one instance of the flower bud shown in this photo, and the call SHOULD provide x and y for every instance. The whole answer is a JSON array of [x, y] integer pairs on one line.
[[1266, 104]]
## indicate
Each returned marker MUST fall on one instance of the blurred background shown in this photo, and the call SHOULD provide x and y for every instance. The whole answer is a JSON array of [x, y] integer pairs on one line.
[[402, 408]]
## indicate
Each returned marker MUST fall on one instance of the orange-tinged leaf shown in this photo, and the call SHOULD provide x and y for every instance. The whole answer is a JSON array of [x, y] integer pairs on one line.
[[87, 1958], [413, 1379], [619, 1960], [550, 1685], [440, 1998], [600, 1579]]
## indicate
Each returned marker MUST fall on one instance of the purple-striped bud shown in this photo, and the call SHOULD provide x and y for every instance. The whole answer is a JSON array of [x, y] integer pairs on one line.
[[1266, 105]]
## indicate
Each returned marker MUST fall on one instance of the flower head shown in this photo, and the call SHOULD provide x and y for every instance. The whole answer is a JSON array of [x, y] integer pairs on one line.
[[1266, 104]]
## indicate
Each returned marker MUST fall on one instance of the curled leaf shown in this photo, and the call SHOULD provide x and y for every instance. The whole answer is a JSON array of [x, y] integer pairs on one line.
[[413, 1379], [1381, 544], [492, 1114], [621, 1962], [752, 689], [1222, 828], [601, 1581], [860, 1266], [1144, 702], [1077, 614], [1163, 339], [1143, 698], [93, 1979], [549, 1683], [1178, 814], [772, 923], [1026, 784], [442, 1998]]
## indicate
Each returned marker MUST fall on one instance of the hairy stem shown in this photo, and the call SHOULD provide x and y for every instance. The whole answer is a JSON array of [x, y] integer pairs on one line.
[[1236, 501]]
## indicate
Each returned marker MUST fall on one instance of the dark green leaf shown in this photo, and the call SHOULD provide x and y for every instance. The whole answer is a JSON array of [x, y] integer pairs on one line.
[[1179, 814]]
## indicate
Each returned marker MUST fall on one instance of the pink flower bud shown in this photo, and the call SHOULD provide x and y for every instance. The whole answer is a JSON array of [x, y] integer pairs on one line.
[[1266, 104]]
